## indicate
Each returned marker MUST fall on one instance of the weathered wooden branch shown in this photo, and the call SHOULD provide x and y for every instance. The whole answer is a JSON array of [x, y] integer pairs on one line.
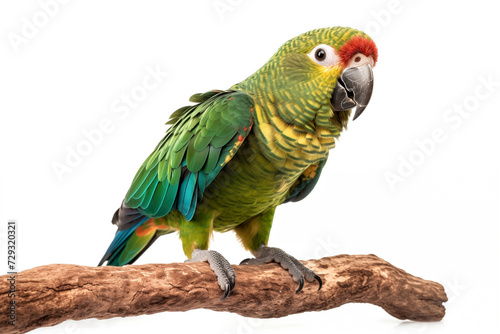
[[49, 295]]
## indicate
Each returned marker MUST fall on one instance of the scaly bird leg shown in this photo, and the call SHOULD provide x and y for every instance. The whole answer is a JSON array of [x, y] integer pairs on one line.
[[220, 266], [295, 268]]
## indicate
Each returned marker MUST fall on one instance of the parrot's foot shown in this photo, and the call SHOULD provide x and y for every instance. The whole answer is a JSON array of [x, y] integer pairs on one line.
[[297, 270], [220, 266]]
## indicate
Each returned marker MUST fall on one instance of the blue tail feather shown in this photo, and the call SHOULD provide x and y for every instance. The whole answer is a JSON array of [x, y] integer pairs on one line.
[[119, 242]]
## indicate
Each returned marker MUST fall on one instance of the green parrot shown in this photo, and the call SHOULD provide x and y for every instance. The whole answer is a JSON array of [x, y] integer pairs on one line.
[[230, 159]]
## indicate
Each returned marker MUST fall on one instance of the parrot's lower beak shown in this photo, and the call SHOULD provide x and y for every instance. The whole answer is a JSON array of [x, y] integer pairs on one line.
[[354, 88]]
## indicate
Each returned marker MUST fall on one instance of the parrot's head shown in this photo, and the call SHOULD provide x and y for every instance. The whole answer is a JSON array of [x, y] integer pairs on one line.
[[319, 76]]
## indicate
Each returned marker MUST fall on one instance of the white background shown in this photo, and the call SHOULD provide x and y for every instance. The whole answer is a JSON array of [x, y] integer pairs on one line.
[[439, 221]]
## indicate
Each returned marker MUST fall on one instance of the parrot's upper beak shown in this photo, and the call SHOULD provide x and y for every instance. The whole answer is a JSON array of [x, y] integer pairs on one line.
[[354, 88]]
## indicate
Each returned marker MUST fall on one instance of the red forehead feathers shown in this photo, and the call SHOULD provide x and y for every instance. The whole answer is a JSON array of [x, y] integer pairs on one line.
[[358, 44]]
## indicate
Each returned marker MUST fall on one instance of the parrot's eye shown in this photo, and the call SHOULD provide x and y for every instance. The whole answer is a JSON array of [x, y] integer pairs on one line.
[[324, 55], [320, 54]]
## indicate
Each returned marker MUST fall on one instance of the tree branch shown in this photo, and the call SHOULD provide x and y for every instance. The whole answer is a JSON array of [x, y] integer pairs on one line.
[[49, 295]]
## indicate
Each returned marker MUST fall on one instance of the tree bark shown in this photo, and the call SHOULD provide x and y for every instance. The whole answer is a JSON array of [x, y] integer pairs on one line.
[[48, 295]]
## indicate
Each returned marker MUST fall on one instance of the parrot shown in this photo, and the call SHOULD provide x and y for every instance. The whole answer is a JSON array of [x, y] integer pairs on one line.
[[231, 157]]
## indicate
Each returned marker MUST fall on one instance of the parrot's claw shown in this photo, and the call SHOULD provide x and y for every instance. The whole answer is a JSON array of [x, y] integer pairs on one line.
[[317, 278], [297, 270], [220, 266]]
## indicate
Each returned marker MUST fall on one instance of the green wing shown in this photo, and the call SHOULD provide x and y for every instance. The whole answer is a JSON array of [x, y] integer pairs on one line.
[[306, 182], [202, 139]]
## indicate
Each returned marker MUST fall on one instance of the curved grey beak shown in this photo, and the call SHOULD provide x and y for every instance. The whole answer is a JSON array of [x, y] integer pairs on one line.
[[353, 88]]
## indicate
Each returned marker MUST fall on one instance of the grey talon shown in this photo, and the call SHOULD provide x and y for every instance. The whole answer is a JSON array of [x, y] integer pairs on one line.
[[295, 268], [320, 281], [226, 292], [220, 266], [301, 284]]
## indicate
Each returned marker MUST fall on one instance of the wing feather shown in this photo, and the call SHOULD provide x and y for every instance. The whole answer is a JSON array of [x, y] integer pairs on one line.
[[202, 139], [306, 182]]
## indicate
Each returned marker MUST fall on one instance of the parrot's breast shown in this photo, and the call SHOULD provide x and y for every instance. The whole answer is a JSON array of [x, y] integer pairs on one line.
[[265, 168], [246, 186], [291, 147]]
